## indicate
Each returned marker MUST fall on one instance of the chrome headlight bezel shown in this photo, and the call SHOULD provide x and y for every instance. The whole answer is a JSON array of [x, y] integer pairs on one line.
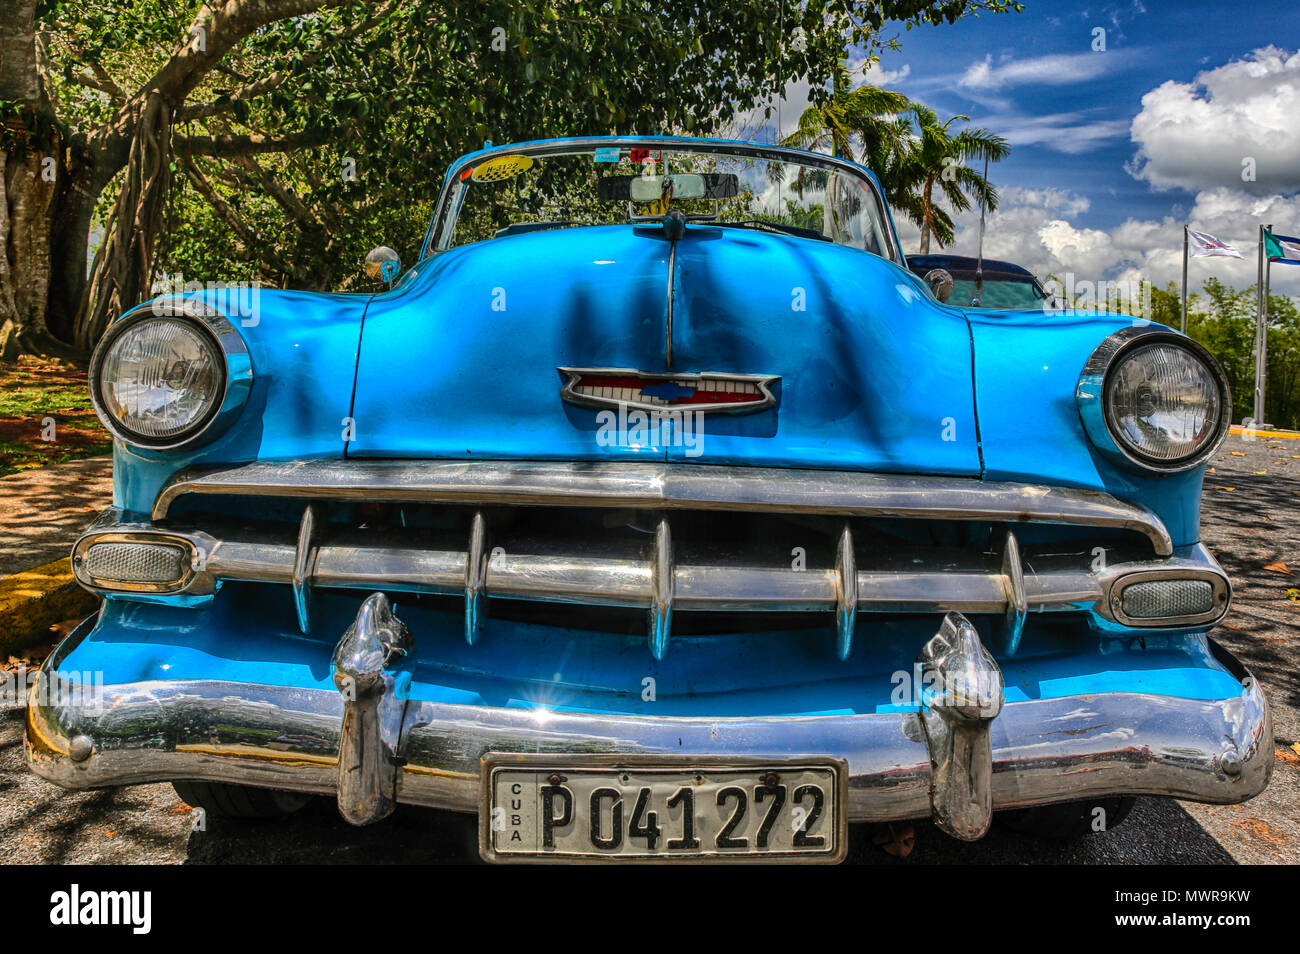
[[1093, 395], [235, 372]]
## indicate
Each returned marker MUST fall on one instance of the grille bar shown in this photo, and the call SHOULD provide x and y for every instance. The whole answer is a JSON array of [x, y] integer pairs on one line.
[[663, 486]]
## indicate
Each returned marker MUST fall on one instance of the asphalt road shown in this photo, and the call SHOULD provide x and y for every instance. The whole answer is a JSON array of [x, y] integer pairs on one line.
[[1251, 519]]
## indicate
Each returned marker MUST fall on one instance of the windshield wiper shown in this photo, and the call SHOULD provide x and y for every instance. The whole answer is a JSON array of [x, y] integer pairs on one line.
[[781, 227]]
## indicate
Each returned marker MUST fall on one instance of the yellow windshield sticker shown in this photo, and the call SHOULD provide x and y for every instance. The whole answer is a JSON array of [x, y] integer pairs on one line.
[[501, 167]]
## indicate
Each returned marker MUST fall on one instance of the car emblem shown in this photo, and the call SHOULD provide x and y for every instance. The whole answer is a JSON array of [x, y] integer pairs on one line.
[[715, 391]]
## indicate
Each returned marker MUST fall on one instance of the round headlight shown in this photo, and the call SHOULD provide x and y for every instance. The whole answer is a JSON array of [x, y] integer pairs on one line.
[[1154, 398], [158, 381], [1163, 403]]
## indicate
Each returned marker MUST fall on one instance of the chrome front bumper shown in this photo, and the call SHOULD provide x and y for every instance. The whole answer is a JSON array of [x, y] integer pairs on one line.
[[958, 761]]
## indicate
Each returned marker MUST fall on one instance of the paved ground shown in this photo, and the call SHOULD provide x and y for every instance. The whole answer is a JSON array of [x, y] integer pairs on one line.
[[43, 510], [1252, 519]]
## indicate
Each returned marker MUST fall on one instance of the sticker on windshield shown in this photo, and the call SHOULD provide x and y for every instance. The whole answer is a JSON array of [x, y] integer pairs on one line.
[[645, 155], [502, 167], [607, 154]]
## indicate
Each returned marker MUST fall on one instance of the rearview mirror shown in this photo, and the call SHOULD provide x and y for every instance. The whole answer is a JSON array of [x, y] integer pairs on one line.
[[383, 262], [653, 188], [708, 185], [940, 282]]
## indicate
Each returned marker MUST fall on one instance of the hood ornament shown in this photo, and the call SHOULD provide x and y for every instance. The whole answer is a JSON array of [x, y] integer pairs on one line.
[[711, 391]]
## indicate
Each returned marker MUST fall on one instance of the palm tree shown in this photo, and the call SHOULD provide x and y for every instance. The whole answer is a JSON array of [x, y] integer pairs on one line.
[[863, 113], [936, 157], [867, 114]]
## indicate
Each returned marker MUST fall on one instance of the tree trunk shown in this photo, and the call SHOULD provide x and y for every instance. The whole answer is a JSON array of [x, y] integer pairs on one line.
[[30, 157], [123, 268], [74, 207], [927, 216]]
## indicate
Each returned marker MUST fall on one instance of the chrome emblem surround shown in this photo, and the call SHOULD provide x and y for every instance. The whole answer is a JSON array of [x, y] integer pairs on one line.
[[752, 392]]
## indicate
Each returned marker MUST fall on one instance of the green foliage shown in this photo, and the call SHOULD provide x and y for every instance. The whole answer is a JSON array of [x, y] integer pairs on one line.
[[388, 93], [1223, 319]]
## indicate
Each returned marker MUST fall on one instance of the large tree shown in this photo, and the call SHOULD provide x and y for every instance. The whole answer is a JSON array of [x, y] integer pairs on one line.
[[107, 107]]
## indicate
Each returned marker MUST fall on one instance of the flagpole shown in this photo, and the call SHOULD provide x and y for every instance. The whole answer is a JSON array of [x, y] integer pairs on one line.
[[1259, 337], [1263, 339], [1183, 323]]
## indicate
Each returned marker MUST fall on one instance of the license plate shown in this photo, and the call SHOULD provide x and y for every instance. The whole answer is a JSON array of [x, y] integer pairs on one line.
[[661, 809]]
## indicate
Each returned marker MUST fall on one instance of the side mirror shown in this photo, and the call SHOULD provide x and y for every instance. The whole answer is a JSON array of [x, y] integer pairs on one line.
[[383, 262], [940, 282]]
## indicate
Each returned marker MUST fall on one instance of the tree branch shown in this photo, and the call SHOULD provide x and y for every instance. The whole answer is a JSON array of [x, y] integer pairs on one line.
[[99, 79], [214, 32], [278, 78], [228, 146], [285, 197]]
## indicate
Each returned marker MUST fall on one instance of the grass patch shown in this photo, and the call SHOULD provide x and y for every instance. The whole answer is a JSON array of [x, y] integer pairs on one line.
[[44, 398]]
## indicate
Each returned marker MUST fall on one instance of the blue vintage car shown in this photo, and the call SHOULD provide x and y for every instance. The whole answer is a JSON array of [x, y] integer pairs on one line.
[[657, 511]]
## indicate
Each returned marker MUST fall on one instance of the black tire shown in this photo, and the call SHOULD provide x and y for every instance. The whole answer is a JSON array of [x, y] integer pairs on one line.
[[1069, 820], [221, 800]]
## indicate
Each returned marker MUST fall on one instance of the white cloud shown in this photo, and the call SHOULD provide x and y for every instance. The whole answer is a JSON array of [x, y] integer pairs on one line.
[[1038, 228], [1196, 135], [1072, 133], [1056, 69], [875, 76]]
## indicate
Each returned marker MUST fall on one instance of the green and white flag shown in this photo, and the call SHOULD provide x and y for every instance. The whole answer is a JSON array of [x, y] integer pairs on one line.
[[1281, 248]]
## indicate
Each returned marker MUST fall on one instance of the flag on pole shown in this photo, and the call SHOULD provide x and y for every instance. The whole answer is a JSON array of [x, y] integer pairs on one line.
[[1281, 248], [1201, 244]]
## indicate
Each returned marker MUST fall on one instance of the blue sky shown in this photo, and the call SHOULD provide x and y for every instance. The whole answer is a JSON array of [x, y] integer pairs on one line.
[[1093, 96], [1113, 151]]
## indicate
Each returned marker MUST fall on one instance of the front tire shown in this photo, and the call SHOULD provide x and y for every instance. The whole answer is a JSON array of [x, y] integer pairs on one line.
[[222, 800], [1070, 820]]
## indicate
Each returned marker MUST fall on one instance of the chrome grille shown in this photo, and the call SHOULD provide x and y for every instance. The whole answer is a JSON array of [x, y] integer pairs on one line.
[[664, 539]]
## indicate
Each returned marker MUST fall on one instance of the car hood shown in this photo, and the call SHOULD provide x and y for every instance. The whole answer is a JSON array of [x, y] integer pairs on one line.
[[461, 360]]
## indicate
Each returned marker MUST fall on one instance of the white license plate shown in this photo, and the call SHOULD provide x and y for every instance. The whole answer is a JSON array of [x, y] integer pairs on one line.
[[661, 808]]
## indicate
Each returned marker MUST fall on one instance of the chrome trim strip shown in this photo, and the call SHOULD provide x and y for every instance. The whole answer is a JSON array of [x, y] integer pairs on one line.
[[1042, 751], [670, 486]]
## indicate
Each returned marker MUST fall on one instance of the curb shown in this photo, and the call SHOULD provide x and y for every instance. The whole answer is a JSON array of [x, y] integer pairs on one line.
[[1283, 435], [34, 600]]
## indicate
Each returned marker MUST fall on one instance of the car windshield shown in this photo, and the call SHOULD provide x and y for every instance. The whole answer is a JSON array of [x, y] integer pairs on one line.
[[1001, 293], [554, 186]]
